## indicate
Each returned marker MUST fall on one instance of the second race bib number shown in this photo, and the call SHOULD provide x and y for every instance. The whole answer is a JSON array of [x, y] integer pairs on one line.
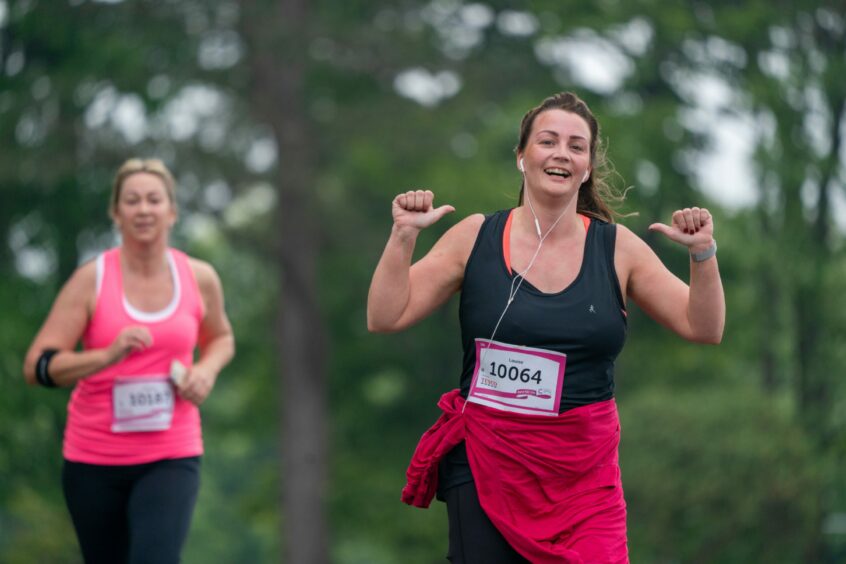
[[142, 404]]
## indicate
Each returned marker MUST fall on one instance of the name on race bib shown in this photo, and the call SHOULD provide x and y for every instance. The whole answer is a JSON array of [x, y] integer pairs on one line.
[[517, 379], [142, 404]]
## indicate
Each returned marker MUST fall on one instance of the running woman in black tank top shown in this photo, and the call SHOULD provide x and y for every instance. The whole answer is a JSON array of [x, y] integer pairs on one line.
[[586, 321], [541, 282]]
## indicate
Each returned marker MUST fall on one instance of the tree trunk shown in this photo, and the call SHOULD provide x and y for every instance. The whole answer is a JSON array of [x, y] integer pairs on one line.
[[277, 33]]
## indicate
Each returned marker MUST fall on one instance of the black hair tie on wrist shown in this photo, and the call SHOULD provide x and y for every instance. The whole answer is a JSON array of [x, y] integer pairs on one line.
[[42, 374]]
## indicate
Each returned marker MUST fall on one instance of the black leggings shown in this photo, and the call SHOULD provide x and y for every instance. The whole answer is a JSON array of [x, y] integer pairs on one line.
[[473, 539], [132, 514]]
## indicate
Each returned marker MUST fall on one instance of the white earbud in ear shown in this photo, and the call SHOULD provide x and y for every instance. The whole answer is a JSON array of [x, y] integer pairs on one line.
[[586, 176], [522, 166]]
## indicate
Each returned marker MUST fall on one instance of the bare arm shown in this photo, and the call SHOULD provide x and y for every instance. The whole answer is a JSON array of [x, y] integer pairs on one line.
[[696, 312], [216, 341], [401, 294], [64, 327]]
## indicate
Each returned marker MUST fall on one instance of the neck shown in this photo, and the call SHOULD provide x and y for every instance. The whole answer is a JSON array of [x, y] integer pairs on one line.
[[144, 259], [562, 219]]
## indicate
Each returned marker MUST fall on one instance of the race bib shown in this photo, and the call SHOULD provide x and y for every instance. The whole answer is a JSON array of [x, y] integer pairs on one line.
[[142, 404], [517, 379]]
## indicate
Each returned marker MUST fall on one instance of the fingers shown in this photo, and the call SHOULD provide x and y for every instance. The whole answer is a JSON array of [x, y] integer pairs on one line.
[[129, 340], [416, 200], [414, 210], [191, 394], [689, 227], [134, 339], [139, 338], [443, 210], [691, 220], [661, 228], [145, 339], [195, 387]]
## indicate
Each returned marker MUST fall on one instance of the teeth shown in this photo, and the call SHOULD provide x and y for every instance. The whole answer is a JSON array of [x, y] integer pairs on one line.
[[559, 171]]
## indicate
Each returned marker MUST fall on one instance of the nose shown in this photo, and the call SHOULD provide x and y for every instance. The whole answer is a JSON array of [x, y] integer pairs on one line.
[[562, 152], [143, 206]]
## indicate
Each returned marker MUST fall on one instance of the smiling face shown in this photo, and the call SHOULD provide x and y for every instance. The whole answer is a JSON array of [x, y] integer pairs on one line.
[[143, 210], [557, 154]]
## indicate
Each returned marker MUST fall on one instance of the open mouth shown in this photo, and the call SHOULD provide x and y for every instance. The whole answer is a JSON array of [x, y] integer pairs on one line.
[[559, 172]]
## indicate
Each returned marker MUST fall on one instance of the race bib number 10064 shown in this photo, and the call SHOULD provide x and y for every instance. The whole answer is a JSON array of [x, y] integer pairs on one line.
[[517, 379]]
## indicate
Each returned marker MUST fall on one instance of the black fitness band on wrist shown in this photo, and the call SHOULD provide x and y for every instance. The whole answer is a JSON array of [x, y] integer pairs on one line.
[[42, 374]]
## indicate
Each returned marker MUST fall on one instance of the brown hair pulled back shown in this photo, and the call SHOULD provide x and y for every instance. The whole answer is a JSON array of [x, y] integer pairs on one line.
[[597, 198]]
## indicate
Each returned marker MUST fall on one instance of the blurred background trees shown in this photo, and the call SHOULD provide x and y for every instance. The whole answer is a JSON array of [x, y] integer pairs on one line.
[[290, 125]]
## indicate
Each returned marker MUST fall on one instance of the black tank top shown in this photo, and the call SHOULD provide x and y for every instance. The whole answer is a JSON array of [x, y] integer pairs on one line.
[[586, 321]]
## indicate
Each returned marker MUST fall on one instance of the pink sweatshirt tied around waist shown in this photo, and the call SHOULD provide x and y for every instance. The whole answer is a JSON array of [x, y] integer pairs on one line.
[[550, 485]]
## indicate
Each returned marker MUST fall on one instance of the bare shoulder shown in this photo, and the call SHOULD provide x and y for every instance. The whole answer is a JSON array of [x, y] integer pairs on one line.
[[458, 241], [86, 272], [81, 287], [73, 306], [467, 228], [630, 247], [464, 232], [631, 256], [206, 275], [626, 238]]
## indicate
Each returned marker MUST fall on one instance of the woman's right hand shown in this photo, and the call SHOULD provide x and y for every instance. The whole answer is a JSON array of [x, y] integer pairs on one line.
[[134, 338], [414, 209]]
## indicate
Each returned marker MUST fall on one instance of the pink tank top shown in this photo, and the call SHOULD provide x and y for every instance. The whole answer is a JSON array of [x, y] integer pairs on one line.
[[89, 435]]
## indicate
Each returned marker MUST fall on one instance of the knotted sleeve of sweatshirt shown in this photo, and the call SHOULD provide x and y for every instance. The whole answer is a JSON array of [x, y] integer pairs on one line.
[[447, 432]]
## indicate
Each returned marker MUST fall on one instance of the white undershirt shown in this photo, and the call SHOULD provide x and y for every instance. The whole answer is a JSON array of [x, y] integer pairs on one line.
[[134, 312]]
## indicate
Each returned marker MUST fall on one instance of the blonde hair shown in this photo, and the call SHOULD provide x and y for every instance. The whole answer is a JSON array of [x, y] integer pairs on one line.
[[134, 166]]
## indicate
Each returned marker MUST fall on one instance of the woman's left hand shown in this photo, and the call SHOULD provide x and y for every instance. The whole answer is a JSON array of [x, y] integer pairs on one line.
[[691, 227], [197, 384]]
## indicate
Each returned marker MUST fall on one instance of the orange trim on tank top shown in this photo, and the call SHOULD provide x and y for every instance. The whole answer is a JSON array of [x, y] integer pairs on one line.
[[506, 237]]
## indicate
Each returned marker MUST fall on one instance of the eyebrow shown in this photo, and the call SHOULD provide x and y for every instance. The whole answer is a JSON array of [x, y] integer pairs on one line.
[[556, 134]]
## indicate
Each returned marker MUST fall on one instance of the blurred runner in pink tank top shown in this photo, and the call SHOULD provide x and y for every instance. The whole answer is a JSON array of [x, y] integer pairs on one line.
[[133, 440]]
